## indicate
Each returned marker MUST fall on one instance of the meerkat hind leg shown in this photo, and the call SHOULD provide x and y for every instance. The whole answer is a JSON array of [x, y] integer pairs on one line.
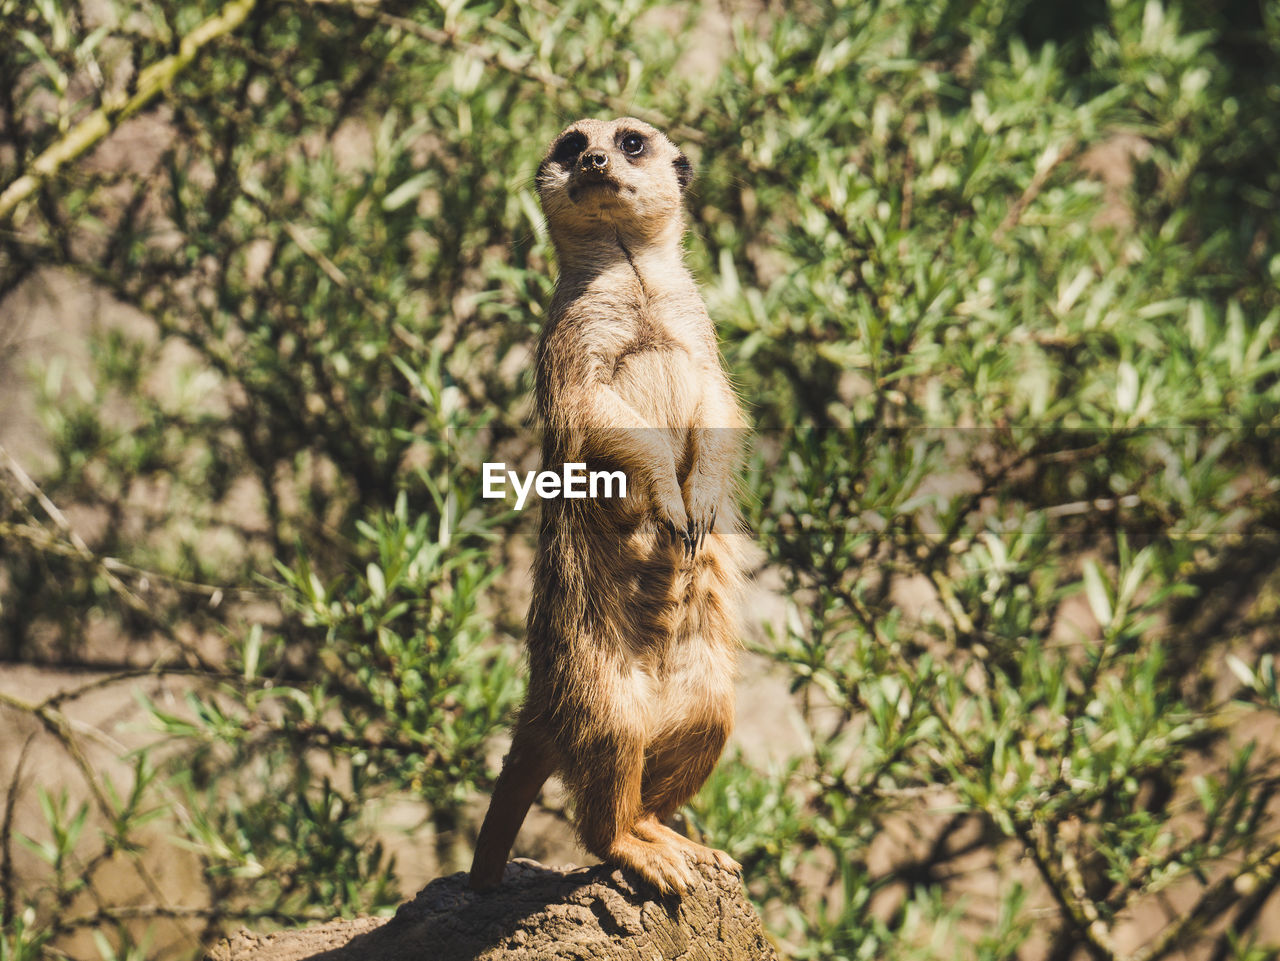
[[608, 815], [672, 776]]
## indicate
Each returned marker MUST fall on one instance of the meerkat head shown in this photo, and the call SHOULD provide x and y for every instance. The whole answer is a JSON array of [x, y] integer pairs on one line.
[[620, 179]]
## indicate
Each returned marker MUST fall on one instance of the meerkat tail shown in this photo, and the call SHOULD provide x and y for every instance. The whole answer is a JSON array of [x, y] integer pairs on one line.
[[525, 770]]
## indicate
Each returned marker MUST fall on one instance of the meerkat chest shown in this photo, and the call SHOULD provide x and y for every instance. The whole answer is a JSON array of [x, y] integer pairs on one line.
[[658, 376], [651, 349]]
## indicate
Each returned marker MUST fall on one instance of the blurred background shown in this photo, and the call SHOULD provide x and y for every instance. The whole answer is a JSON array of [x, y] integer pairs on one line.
[[999, 283]]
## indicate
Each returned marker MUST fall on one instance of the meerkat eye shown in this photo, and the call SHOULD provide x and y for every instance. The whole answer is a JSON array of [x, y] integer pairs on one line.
[[632, 144], [568, 147]]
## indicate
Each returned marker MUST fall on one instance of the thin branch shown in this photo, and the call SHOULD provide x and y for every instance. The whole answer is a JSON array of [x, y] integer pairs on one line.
[[1049, 162], [118, 107], [150, 912], [41, 539], [6, 837], [82, 549], [60, 726], [1262, 869], [1078, 910]]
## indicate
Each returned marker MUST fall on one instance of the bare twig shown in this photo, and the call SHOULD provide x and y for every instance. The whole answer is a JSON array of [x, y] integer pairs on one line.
[[215, 912], [6, 837], [81, 548], [1048, 163], [41, 539]]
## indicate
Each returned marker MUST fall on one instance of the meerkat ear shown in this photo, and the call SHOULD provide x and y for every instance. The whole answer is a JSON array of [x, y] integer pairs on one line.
[[684, 170]]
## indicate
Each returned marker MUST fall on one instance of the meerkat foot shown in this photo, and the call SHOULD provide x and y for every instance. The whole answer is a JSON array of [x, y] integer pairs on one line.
[[654, 830], [712, 856], [724, 862], [661, 864]]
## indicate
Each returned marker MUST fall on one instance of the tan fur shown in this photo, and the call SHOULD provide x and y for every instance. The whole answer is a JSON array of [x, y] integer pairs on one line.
[[633, 629]]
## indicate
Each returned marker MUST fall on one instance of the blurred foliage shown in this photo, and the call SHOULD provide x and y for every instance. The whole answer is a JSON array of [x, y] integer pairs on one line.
[[1001, 284]]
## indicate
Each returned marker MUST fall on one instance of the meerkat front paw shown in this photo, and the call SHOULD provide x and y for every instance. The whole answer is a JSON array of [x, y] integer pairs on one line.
[[703, 502], [673, 516]]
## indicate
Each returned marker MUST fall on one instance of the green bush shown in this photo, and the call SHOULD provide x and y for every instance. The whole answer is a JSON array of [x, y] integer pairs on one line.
[[1000, 286]]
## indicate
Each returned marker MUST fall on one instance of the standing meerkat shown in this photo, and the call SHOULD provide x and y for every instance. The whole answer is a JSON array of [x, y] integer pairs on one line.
[[633, 630]]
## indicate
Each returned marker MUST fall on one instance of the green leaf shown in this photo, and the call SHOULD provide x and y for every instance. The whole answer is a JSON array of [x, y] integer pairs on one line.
[[407, 191], [1096, 594]]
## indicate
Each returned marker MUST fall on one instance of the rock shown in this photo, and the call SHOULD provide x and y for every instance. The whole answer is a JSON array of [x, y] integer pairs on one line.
[[547, 914]]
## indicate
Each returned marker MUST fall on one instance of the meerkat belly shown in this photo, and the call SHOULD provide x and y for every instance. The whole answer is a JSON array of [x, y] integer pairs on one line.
[[694, 682], [675, 681]]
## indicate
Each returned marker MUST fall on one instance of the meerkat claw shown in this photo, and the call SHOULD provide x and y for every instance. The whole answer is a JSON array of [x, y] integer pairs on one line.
[[677, 533]]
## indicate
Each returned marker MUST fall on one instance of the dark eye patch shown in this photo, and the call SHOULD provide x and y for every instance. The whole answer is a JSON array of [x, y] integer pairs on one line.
[[568, 147], [631, 143]]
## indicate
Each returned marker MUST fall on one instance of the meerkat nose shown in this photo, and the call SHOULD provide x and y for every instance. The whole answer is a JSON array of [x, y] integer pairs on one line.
[[593, 161]]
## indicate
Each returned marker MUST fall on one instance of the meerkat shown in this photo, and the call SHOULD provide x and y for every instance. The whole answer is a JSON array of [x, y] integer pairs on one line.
[[632, 629]]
